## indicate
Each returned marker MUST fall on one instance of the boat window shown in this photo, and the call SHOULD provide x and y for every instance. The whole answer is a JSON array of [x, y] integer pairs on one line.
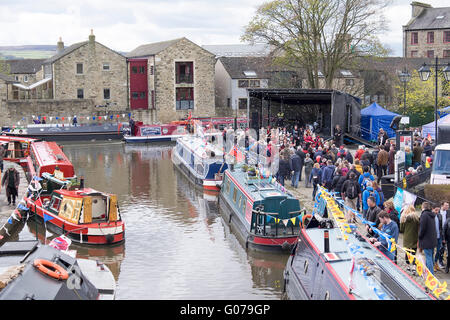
[[234, 195], [227, 186], [56, 202]]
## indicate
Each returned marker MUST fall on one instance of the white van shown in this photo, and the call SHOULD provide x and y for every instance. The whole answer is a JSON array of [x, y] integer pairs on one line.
[[440, 173]]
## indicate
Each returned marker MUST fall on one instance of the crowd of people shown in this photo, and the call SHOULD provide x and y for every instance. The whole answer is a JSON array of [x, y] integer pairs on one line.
[[356, 178]]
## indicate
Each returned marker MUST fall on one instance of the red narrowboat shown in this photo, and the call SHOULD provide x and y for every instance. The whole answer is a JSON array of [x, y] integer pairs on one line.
[[17, 149]]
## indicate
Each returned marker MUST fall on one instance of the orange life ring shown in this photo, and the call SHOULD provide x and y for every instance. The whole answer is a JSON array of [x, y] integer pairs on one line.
[[51, 269]]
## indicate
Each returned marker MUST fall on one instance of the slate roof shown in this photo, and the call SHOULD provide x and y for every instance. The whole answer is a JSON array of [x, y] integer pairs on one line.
[[235, 66], [151, 48], [66, 51], [25, 66], [428, 19], [7, 78], [239, 50]]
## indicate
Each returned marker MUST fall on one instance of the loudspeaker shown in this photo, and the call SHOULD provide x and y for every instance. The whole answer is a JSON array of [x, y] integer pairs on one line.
[[395, 122]]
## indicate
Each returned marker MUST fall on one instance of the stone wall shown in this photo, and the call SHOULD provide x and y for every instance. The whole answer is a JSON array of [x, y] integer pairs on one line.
[[94, 79], [204, 95], [13, 111]]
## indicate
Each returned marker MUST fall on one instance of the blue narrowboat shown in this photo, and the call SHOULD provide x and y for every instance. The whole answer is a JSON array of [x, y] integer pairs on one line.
[[264, 215], [200, 160], [327, 263]]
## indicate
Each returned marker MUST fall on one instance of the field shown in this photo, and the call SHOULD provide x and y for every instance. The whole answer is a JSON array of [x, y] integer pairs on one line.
[[26, 54]]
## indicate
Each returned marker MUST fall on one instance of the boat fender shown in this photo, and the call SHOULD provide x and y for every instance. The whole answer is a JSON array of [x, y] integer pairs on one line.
[[229, 221], [246, 242], [286, 246], [109, 238], [51, 269]]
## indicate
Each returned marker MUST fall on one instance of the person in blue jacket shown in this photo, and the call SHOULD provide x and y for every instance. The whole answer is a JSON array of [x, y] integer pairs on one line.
[[390, 228], [366, 194], [365, 177]]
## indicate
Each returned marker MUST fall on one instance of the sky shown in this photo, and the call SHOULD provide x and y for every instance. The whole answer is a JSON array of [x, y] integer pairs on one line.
[[124, 25]]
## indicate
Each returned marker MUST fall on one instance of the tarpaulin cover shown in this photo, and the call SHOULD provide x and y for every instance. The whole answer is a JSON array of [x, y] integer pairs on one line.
[[373, 118], [429, 129]]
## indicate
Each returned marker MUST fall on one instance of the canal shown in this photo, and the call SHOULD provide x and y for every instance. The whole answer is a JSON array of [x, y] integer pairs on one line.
[[177, 245]]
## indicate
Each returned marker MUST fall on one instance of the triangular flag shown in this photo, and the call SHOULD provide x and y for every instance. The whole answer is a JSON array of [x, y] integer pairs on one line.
[[440, 289], [431, 282], [293, 220], [47, 217], [10, 220], [419, 268], [410, 257], [268, 218], [285, 222]]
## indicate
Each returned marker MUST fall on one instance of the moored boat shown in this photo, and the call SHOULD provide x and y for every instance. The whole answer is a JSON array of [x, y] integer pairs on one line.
[[157, 133], [200, 160], [335, 262], [65, 132], [264, 214]]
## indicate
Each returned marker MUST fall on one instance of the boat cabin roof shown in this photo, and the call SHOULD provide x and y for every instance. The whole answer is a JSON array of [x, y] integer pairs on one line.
[[258, 189], [386, 275], [5, 139], [48, 155], [199, 148], [81, 193]]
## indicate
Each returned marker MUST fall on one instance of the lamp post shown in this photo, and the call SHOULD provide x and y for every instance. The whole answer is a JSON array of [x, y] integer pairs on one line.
[[424, 73], [404, 77]]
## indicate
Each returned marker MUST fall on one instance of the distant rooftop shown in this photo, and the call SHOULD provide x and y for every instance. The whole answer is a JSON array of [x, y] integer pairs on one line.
[[430, 18], [25, 66], [239, 50]]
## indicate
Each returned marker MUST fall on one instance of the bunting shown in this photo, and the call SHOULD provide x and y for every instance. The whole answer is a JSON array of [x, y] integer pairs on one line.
[[431, 282]]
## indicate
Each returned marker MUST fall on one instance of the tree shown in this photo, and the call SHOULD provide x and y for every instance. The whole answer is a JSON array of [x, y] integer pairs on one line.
[[319, 35], [420, 98]]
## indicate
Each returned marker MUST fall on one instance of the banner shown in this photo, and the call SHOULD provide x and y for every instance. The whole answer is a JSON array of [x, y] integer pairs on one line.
[[398, 200]]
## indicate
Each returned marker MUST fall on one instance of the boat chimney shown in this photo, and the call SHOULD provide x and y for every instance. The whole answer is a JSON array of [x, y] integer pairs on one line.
[[326, 241], [82, 183]]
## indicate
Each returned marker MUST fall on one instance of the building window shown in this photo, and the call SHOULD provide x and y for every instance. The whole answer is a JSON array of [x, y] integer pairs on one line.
[[255, 83], [430, 37], [243, 83], [414, 54], [135, 95], [414, 38], [79, 68], [16, 78], [243, 103], [142, 69], [106, 66], [151, 70], [80, 93], [185, 98], [106, 94], [25, 78], [446, 36], [446, 53], [349, 82], [142, 95], [184, 72], [228, 102], [134, 70], [430, 54]]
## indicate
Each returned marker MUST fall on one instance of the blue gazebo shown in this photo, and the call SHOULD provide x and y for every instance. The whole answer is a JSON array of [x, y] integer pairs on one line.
[[373, 118]]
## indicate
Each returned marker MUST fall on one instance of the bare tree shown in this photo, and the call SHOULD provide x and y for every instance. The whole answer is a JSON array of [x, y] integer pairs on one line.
[[319, 35]]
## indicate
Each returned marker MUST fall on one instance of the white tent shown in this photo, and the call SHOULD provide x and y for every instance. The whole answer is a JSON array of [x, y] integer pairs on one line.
[[429, 129]]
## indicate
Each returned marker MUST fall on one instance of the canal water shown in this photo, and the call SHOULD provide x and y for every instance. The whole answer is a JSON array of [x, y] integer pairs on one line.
[[177, 246]]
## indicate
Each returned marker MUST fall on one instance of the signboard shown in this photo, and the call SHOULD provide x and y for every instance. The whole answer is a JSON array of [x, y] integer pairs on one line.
[[150, 131], [400, 166], [70, 209], [404, 139]]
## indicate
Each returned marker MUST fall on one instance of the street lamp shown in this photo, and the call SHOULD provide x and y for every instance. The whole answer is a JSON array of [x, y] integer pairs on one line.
[[424, 73], [404, 77]]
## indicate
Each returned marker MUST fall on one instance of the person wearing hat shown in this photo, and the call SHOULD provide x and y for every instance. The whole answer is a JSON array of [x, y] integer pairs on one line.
[[11, 180]]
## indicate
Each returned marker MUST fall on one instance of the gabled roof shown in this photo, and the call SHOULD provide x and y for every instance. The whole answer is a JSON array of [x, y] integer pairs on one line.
[[236, 66], [65, 52], [431, 18], [7, 78], [239, 50], [151, 48], [27, 66]]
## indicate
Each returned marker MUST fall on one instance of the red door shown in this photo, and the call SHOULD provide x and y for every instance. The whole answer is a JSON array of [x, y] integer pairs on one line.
[[138, 84]]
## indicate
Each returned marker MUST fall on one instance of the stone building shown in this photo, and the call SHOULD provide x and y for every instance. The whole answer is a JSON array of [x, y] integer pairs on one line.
[[88, 70], [427, 34], [27, 73], [170, 79]]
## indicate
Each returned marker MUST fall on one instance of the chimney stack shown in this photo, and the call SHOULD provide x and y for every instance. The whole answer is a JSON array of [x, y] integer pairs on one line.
[[60, 46], [92, 37]]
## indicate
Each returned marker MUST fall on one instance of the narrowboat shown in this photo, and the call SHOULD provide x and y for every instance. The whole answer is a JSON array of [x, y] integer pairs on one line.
[[264, 215], [17, 149], [328, 263], [67, 132], [157, 133], [32, 271], [84, 215], [200, 160]]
